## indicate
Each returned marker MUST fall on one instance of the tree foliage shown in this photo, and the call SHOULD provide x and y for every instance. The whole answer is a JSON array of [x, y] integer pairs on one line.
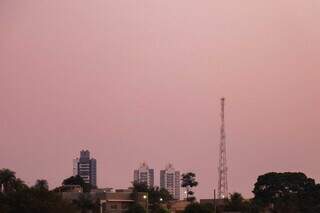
[[33, 200], [136, 208], [41, 185], [140, 187], [7, 180], [17, 197], [77, 180], [199, 208], [236, 202], [188, 182], [156, 195], [287, 192], [85, 203], [161, 210]]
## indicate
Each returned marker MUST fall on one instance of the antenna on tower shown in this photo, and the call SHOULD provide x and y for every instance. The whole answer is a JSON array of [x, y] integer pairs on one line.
[[222, 168]]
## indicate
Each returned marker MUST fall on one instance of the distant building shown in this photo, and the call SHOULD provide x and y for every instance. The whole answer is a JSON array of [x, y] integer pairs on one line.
[[170, 180], [144, 175], [86, 167], [75, 167]]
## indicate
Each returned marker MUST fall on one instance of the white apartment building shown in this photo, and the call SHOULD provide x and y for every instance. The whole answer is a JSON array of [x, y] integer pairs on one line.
[[144, 175], [170, 180]]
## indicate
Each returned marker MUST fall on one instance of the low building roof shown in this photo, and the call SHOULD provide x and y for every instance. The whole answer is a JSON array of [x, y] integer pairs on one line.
[[119, 200]]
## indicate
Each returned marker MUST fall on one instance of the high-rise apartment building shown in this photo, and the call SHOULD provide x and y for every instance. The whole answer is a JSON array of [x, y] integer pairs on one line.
[[86, 167], [170, 180], [144, 175]]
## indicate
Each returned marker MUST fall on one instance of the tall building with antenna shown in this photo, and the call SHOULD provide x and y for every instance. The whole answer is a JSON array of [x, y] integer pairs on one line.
[[170, 180], [86, 167], [144, 175], [222, 168]]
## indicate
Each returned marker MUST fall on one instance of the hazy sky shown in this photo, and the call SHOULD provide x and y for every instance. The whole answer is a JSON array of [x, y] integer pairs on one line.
[[140, 80]]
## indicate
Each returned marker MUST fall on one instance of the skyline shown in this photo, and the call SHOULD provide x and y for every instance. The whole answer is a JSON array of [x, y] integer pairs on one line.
[[126, 79]]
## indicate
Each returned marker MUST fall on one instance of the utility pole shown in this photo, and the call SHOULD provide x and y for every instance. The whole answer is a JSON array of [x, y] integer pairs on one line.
[[222, 168], [215, 201]]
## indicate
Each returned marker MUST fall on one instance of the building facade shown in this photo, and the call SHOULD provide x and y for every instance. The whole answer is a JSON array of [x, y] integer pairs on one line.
[[86, 167], [75, 167], [119, 202], [170, 180], [144, 175]]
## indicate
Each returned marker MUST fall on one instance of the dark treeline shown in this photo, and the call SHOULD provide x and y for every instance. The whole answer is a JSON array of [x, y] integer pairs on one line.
[[288, 192], [273, 192], [17, 197]]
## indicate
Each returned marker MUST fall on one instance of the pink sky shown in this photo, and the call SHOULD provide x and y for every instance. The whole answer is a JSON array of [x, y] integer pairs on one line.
[[141, 80]]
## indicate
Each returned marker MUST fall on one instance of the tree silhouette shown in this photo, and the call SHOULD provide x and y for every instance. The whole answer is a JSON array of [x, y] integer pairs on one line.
[[41, 185], [287, 192], [237, 203], [188, 182], [156, 196], [85, 203], [77, 180], [199, 208], [7, 180], [136, 208]]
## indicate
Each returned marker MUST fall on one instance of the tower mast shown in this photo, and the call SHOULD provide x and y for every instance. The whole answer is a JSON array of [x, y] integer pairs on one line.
[[222, 168]]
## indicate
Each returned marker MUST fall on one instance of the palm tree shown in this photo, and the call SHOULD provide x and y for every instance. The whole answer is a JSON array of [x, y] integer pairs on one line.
[[7, 180]]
